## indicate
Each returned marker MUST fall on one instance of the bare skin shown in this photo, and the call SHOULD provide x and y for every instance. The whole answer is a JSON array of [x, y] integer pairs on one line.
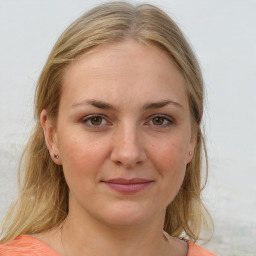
[[123, 115], [140, 245]]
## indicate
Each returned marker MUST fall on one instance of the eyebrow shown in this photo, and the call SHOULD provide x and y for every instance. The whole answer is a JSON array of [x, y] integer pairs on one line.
[[161, 104], [95, 103], [104, 105]]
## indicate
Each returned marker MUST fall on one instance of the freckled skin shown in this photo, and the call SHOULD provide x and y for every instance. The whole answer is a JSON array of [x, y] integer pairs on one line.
[[127, 144]]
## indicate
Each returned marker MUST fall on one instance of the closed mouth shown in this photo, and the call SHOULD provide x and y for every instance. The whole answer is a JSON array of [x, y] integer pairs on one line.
[[128, 186]]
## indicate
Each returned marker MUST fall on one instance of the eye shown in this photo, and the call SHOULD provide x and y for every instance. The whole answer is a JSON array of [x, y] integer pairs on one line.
[[161, 121], [95, 121]]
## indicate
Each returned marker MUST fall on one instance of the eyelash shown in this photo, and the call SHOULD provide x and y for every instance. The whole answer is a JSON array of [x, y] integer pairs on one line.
[[89, 118], [167, 120]]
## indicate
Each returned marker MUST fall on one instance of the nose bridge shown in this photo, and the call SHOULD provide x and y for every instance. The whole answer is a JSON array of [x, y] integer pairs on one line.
[[128, 145]]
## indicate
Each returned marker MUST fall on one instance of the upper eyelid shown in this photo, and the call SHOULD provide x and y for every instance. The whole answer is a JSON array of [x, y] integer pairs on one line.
[[164, 116], [88, 117], [167, 117]]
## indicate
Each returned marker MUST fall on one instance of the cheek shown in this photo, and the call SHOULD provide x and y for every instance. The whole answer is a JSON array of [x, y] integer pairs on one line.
[[81, 155], [170, 154], [170, 163]]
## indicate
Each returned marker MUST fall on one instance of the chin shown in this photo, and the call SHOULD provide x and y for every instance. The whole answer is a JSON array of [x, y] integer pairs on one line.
[[126, 215]]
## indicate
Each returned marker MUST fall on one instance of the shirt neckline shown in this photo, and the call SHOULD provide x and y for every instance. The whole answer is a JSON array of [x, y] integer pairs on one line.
[[37, 241], [55, 253]]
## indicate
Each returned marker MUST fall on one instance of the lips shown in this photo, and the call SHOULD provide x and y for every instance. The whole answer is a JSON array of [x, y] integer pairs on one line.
[[128, 186]]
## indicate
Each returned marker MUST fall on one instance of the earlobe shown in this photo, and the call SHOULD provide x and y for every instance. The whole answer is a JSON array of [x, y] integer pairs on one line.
[[190, 156], [50, 137], [191, 149]]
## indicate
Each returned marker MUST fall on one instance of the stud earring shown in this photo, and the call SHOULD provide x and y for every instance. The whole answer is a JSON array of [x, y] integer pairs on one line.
[[56, 156], [190, 153]]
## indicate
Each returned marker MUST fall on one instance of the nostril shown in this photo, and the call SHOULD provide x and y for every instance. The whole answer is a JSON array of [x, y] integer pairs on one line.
[[128, 164], [127, 150]]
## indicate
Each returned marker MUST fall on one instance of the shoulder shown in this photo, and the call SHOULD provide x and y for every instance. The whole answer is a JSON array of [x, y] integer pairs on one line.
[[196, 250], [25, 245]]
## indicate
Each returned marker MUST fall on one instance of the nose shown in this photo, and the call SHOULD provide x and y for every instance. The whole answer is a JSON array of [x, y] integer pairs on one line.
[[128, 149]]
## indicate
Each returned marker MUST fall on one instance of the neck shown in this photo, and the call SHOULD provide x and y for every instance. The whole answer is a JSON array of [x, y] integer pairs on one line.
[[90, 237]]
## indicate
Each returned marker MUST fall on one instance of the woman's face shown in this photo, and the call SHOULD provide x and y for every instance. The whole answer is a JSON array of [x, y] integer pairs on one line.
[[123, 133]]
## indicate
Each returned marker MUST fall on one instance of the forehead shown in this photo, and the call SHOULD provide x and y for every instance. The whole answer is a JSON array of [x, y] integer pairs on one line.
[[124, 71], [129, 52]]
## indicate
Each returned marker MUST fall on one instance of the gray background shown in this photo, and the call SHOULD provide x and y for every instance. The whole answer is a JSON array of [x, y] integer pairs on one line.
[[222, 33]]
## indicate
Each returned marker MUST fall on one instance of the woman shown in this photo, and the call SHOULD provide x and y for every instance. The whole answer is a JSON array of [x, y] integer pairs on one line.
[[113, 166]]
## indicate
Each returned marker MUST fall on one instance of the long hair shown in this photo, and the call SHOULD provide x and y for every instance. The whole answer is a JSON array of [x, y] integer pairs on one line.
[[42, 203]]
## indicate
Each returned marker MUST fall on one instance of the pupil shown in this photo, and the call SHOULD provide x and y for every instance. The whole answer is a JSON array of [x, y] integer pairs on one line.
[[96, 120], [158, 120]]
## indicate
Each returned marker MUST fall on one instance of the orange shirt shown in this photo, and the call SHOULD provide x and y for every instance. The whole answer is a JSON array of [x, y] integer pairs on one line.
[[26, 245]]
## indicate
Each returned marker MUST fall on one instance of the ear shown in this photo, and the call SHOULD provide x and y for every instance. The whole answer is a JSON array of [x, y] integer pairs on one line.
[[191, 148], [50, 135]]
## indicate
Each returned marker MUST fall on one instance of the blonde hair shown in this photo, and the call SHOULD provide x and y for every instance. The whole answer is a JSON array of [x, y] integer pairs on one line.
[[43, 193]]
